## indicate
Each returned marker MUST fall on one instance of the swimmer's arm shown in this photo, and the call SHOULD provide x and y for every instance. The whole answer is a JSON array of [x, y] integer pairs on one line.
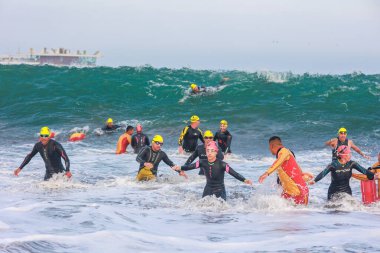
[[323, 173], [216, 136], [191, 166], [201, 135], [224, 80], [229, 139], [233, 173], [166, 160], [61, 151], [192, 157], [29, 157], [359, 168], [360, 177], [184, 131], [331, 142], [354, 147]]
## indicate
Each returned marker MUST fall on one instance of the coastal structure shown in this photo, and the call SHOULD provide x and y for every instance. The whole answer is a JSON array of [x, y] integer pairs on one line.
[[56, 57]]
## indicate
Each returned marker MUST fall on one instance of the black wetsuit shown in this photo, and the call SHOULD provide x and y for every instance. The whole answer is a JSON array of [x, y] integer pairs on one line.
[[214, 173], [339, 143], [147, 155], [200, 152], [340, 176], [110, 128], [189, 138], [51, 154], [139, 141], [224, 140]]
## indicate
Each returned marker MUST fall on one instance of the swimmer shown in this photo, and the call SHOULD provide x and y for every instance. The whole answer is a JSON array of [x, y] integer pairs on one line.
[[188, 140], [110, 126], [214, 170], [196, 89], [223, 137], [341, 172], [139, 140], [51, 152], [289, 173], [340, 140], [124, 141], [200, 151], [150, 157]]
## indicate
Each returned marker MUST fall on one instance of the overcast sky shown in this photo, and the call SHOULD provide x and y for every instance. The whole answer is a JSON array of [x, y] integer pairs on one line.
[[324, 36]]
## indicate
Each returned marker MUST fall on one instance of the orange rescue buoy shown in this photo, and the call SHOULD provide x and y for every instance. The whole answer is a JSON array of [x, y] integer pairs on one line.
[[77, 137], [369, 191]]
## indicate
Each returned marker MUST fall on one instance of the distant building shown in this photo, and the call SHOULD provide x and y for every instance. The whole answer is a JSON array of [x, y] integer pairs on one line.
[[56, 57]]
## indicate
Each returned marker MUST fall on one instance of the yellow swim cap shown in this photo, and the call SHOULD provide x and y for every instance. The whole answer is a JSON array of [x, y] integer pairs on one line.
[[109, 120], [224, 122], [194, 118], [208, 133], [193, 86], [342, 129], [45, 131], [158, 138]]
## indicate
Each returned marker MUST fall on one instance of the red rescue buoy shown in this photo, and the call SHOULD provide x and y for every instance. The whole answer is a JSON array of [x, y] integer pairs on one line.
[[369, 191], [77, 137]]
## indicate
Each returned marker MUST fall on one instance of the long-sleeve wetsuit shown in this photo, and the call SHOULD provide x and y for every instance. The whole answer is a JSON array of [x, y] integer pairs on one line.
[[139, 141], [147, 155], [51, 153], [200, 152], [224, 140], [110, 128], [340, 176], [189, 138], [214, 173]]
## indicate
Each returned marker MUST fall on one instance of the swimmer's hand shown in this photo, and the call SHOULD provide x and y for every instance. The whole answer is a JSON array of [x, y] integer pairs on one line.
[[311, 182], [68, 174], [148, 165], [263, 177], [183, 174], [180, 150], [17, 171], [176, 168], [248, 181], [180, 172]]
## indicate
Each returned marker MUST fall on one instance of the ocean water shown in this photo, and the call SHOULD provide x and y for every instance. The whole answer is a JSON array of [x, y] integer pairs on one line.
[[103, 209]]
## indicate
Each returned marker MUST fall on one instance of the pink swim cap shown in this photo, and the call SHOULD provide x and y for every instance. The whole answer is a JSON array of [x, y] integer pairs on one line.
[[139, 128], [212, 145], [343, 150]]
